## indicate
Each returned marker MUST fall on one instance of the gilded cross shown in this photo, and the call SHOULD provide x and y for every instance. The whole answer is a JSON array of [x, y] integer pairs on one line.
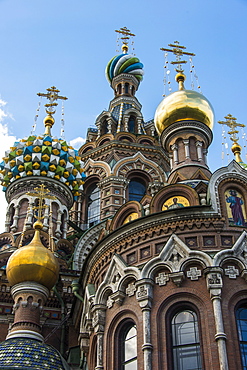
[[231, 122], [178, 51], [126, 34], [52, 96], [41, 193]]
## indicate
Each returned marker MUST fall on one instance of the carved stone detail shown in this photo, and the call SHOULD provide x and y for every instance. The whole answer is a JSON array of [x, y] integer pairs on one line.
[[194, 273], [162, 278]]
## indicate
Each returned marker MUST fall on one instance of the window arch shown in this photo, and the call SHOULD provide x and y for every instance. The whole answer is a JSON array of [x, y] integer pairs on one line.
[[128, 347], [241, 319], [126, 88], [93, 205], [185, 341], [136, 189], [132, 124]]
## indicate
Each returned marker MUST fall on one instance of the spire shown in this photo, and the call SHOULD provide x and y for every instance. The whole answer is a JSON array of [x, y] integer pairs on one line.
[[232, 124], [52, 96]]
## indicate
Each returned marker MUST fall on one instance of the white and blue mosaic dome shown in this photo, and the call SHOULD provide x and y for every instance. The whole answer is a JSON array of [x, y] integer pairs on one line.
[[26, 353], [46, 156]]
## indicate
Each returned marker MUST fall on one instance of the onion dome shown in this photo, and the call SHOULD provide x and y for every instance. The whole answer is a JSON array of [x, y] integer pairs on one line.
[[26, 353], [33, 262], [124, 63], [43, 156], [183, 105]]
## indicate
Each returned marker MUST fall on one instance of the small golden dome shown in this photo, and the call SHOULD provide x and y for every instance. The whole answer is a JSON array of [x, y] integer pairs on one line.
[[183, 105], [33, 262]]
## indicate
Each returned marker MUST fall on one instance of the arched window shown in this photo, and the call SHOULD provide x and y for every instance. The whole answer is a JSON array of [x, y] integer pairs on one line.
[[241, 318], [131, 124], [126, 88], [137, 188], [128, 347], [93, 206], [185, 341]]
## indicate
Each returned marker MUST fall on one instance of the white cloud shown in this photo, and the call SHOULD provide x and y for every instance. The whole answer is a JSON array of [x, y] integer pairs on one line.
[[6, 141], [77, 142]]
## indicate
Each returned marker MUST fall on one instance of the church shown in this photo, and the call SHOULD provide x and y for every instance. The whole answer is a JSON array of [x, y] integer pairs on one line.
[[128, 254]]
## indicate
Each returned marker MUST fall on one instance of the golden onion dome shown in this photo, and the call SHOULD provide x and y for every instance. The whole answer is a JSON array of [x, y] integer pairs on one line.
[[33, 262], [183, 105]]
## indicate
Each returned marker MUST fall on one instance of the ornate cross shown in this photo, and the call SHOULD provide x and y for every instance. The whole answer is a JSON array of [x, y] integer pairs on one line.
[[232, 124], [178, 51], [41, 193], [52, 95]]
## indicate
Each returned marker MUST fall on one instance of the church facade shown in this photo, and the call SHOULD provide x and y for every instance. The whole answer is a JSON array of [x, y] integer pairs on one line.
[[152, 248]]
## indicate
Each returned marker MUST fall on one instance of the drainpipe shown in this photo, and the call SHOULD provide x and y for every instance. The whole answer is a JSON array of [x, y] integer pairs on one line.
[[62, 319], [75, 289]]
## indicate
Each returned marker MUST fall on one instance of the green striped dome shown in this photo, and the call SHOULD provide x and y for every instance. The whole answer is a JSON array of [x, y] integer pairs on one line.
[[124, 63]]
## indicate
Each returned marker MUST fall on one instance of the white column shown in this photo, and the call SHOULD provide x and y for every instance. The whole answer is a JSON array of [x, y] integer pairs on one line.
[[58, 228], [214, 284], [144, 295], [29, 223], [7, 221], [199, 150], [46, 219], [175, 153], [186, 148], [205, 152], [139, 121], [15, 218]]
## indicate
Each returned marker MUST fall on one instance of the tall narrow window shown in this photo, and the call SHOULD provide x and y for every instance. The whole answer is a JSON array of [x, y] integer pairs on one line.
[[131, 124], [136, 189], [241, 317], [128, 347], [185, 341], [93, 213]]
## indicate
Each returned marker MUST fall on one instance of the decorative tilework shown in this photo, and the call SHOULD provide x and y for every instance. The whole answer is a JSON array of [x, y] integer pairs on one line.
[[29, 353]]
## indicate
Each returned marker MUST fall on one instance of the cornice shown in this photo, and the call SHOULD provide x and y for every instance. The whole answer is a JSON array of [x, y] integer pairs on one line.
[[168, 221]]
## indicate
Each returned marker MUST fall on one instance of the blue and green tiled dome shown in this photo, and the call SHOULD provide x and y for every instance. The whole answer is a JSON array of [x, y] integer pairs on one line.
[[26, 353], [43, 156], [124, 63]]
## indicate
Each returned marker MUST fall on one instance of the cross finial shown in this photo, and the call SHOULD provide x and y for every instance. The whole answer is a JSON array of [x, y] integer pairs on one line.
[[41, 193], [232, 123], [52, 96], [178, 51], [126, 34]]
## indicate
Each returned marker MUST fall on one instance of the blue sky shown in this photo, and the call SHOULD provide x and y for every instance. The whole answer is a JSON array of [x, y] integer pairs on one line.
[[68, 44]]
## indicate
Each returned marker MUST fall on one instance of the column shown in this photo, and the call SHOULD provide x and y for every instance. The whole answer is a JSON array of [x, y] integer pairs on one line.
[[139, 127], [175, 153], [46, 219], [144, 296], [186, 148], [214, 284], [29, 222], [199, 150], [7, 221], [99, 327], [15, 218], [205, 152], [109, 125], [126, 120], [58, 228]]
